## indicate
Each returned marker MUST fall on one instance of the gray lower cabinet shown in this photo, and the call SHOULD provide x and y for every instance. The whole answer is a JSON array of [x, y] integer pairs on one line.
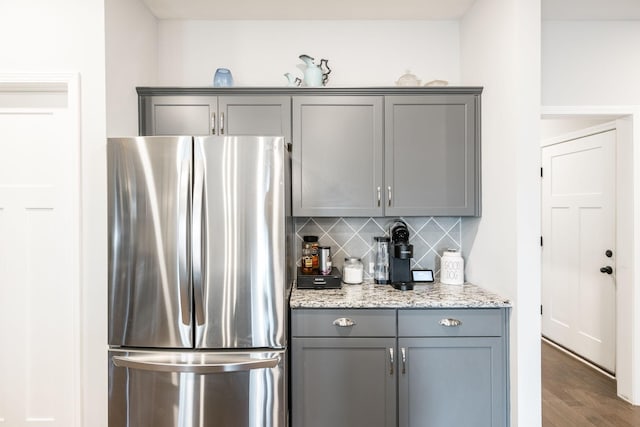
[[337, 156], [343, 368], [405, 367], [450, 382], [215, 115], [453, 368], [432, 155], [343, 382]]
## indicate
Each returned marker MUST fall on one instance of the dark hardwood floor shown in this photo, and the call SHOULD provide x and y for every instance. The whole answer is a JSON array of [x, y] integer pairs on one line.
[[573, 394]]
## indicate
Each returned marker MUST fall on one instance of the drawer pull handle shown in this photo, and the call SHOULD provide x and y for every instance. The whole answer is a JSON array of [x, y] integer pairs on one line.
[[450, 322], [391, 361], [344, 322]]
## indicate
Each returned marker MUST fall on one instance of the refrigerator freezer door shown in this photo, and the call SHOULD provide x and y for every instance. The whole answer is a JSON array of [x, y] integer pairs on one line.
[[149, 197], [239, 242], [172, 389]]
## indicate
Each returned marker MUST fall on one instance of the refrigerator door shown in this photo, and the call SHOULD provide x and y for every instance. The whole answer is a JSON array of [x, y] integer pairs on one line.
[[239, 242], [173, 389], [149, 198]]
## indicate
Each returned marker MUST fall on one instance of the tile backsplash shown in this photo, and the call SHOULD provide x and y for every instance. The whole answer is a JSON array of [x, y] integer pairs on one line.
[[347, 237]]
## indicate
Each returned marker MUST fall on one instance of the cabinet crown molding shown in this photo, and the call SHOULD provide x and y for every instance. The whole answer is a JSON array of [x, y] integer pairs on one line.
[[284, 90]]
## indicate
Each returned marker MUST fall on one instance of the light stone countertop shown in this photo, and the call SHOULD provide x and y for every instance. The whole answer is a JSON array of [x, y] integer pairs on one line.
[[368, 295]]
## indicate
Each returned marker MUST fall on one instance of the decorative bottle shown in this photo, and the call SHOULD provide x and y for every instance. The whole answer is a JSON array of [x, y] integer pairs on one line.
[[307, 259]]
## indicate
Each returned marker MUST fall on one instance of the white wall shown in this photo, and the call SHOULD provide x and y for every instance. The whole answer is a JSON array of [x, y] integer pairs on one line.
[[590, 63], [68, 35], [258, 53], [500, 49], [626, 260], [131, 60]]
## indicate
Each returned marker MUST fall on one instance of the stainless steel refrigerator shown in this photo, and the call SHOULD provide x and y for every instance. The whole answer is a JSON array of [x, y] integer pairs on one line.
[[198, 281]]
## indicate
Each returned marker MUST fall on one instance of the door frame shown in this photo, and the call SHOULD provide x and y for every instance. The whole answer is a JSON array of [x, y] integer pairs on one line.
[[624, 119]]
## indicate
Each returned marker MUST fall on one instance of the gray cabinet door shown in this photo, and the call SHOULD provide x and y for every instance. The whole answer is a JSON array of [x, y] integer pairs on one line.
[[343, 382], [432, 155], [177, 115], [337, 155], [255, 115], [212, 115], [444, 382]]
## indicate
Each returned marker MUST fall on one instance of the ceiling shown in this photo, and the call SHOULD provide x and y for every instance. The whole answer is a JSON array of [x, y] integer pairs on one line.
[[590, 9], [376, 9], [308, 9]]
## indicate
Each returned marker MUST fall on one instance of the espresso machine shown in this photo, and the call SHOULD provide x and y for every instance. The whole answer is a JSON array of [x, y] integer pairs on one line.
[[400, 254]]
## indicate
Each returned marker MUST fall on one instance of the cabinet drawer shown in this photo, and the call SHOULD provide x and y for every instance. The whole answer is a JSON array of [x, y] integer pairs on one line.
[[364, 323], [461, 323]]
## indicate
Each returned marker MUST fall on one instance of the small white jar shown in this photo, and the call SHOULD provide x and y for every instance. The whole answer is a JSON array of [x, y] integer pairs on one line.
[[352, 271], [452, 268]]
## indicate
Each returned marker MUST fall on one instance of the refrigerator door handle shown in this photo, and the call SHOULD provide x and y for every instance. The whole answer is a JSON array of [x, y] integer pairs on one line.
[[199, 232], [231, 364], [184, 207]]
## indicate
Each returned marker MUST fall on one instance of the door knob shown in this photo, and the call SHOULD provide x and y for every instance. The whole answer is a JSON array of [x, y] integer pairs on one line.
[[606, 269]]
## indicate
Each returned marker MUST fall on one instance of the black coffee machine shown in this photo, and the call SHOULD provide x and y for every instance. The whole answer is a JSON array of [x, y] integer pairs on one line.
[[400, 254]]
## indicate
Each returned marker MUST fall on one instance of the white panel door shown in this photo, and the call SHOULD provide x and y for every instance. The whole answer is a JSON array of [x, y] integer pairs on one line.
[[39, 267], [578, 228]]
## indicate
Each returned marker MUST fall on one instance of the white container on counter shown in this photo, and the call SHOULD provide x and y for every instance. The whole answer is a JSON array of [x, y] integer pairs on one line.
[[452, 268], [352, 271]]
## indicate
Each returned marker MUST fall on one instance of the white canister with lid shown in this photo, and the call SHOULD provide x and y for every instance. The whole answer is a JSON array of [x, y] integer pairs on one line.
[[352, 271], [452, 268]]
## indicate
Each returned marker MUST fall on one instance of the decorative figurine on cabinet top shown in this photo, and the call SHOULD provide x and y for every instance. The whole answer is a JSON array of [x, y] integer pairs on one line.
[[315, 75], [292, 81]]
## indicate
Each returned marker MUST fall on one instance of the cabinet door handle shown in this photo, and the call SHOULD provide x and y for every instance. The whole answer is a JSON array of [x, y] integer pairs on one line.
[[391, 361], [221, 123], [389, 195], [379, 196], [450, 322], [403, 353], [213, 123], [344, 322]]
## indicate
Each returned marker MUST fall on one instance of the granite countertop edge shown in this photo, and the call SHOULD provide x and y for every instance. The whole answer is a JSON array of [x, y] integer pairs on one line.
[[368, 295]]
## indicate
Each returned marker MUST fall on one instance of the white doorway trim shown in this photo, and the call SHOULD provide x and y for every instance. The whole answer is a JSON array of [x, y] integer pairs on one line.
[[627, 123]]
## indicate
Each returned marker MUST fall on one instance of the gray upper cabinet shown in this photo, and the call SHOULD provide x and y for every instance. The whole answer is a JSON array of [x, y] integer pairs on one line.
[[255, 115], [178, 115], [390, 151], [216, 115], [337, 156], [420, 158], [432, 155]]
